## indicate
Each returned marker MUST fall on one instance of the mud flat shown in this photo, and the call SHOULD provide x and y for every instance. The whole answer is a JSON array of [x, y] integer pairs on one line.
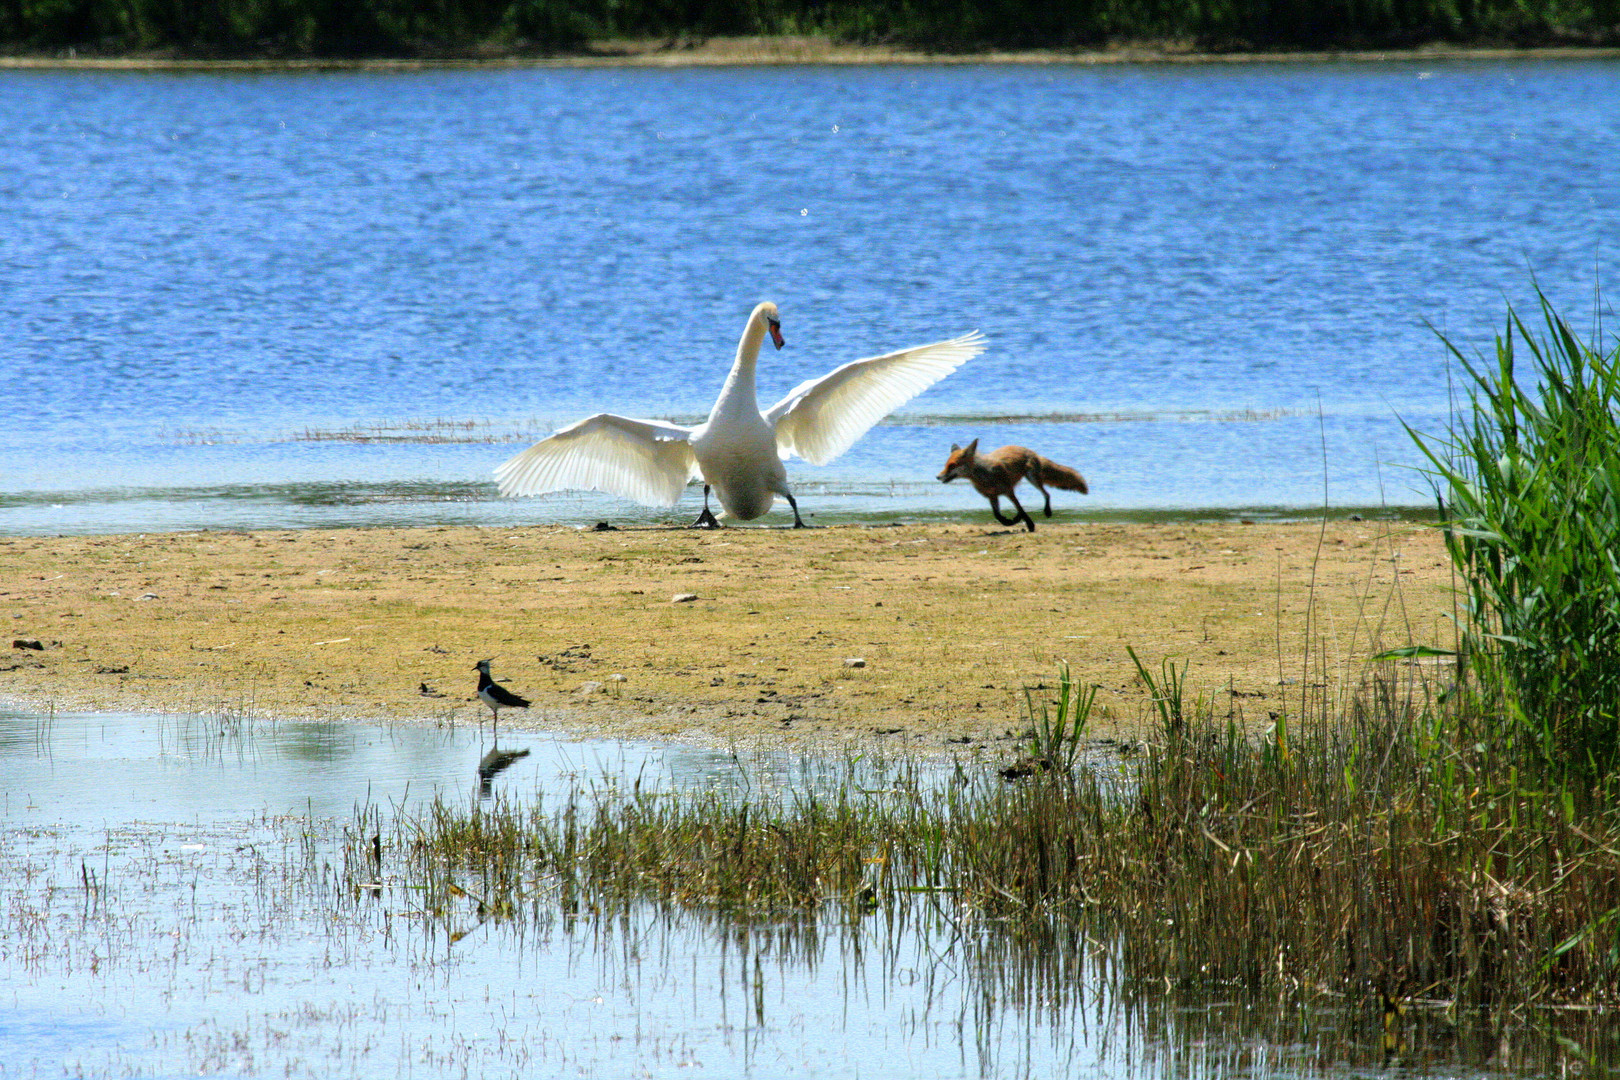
[[916, 635]]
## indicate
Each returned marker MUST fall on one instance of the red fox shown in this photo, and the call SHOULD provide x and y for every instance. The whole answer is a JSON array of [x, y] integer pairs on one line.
[[996, 474]]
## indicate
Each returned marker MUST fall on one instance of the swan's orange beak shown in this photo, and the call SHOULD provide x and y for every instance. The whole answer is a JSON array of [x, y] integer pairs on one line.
[[776, 333]]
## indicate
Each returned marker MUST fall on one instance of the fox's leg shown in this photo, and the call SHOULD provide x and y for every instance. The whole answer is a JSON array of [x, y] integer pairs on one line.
[[1029, 522], [995, 508], [706, 520], [1042, 489]]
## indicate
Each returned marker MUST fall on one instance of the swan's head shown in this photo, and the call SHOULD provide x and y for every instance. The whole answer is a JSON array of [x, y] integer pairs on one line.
[[773, 322]]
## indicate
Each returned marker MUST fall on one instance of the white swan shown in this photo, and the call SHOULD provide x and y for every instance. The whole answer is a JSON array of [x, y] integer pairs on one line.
[[738, 451]]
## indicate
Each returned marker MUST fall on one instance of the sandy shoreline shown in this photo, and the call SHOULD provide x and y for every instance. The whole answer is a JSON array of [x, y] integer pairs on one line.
[[716, 52], [949, 623]]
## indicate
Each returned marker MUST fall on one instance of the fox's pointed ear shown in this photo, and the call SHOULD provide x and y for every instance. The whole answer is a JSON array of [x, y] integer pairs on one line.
[[973, 447], [954, 448]]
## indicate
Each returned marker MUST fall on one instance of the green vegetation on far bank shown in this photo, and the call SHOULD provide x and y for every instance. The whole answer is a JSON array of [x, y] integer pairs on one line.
[[414, 28]]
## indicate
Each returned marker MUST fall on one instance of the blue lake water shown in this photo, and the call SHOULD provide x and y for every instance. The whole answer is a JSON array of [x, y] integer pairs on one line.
[[326, 299]]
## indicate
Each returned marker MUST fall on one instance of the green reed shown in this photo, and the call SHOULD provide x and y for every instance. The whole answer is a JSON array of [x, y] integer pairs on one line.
[[1529, 490], [1057, 728]]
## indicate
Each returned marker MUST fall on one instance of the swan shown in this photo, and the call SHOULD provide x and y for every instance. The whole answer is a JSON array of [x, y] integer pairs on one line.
[[738, 451]]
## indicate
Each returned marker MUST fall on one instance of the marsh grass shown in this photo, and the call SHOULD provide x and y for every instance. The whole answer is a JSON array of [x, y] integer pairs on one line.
[[1369, 856], [1167, 693], [1528, 484], [759, 856], [1058, 728]]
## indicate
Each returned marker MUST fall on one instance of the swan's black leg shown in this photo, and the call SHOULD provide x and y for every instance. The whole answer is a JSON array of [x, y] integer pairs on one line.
[[780, 487], [705, 520]]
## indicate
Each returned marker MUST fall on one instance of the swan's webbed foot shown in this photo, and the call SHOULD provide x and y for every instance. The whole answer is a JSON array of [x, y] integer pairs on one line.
[[798, 522], [705, 520]]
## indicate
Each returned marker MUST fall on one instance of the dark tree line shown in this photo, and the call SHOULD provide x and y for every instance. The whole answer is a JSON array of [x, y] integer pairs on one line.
[[341, 28]]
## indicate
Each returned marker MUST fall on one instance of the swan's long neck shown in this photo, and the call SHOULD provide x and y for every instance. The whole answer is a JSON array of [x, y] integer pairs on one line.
[[739, 393]]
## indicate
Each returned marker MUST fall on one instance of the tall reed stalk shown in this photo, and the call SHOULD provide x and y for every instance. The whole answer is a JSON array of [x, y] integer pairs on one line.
[[1529, 491]]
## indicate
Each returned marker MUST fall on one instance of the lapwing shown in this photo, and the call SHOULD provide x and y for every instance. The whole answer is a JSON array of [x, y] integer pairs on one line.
[[496, 696]]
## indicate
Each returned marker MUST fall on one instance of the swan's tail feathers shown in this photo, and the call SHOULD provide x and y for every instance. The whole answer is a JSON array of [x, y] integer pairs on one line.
[[646, 461], [820, 419]]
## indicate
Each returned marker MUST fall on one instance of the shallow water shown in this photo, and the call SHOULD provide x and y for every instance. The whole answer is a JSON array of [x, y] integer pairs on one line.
[[332, 299], [176, 903]]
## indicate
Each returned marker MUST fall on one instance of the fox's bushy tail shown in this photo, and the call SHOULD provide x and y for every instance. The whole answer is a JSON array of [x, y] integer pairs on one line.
[[1061, 476]]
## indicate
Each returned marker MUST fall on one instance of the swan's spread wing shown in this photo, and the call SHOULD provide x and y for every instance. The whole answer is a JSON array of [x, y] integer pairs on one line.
[[648, 461], [822, 418]]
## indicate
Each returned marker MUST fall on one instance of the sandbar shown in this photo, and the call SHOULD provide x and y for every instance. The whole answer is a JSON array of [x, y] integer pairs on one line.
[[929, 637]]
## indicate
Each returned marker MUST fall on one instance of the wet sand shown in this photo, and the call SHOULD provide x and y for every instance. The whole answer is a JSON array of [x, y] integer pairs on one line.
[[922, 635]]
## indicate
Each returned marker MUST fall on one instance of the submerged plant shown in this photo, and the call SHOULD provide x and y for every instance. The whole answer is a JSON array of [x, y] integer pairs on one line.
[[1528, 483]]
